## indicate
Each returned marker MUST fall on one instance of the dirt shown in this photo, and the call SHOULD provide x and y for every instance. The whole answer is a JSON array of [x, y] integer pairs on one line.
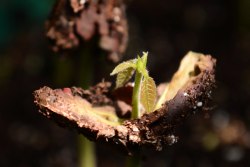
[[72, 23]]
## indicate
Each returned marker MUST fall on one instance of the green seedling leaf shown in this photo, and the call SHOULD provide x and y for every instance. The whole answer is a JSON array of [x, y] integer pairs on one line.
[[124, 76], [145, 59], [141, 64], [123, 66], [148, 94]]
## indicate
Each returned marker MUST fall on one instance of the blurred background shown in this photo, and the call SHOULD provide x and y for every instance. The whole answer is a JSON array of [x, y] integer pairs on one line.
[[168, 30]]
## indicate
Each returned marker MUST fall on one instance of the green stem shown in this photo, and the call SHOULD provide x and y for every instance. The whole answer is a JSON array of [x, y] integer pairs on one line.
[[87, 152], [87, 156], [136, 96], [134, 161]]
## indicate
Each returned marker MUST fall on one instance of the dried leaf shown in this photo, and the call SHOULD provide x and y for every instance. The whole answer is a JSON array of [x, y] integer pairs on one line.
[[123, 66], [148, 94], [187, 69], [124, 76]]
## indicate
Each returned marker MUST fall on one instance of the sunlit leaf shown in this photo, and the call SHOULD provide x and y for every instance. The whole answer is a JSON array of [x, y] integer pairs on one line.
[[185, 72], [124, 76], [148, 94], [123, 66]]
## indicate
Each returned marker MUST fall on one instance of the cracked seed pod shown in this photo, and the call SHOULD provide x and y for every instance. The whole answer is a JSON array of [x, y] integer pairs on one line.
[[93, 112], [73, 22]]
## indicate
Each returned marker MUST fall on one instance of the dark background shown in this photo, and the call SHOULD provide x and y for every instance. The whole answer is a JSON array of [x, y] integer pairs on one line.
[[168, 30]]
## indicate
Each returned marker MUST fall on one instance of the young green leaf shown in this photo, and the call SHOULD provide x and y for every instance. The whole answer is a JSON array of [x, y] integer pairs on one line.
[[124, 76], [141, 64], [144, 59], [125, 65], [148, 94]]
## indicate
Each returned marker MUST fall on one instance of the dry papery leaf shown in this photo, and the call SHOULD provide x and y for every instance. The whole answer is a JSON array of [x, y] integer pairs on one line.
[[93, 112]]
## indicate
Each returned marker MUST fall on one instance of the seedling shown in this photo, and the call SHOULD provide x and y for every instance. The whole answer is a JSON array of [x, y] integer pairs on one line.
[[144, 91], [93, 112]]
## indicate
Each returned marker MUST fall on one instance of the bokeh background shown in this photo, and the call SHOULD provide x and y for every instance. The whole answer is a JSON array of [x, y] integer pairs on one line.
[[168, 30]]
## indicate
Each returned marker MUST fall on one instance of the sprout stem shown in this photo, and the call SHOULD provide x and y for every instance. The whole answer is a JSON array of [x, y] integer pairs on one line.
[[136, 96], [134, 161]]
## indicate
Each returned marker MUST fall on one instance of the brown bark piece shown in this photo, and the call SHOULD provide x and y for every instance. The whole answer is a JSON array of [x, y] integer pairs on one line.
[[93, 112]]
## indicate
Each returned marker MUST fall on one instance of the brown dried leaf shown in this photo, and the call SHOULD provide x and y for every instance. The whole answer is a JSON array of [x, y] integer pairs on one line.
[[189, 69]]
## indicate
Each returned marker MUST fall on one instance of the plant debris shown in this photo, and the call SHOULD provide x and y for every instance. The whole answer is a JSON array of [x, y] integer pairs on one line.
[[93, 112], [72, 22]]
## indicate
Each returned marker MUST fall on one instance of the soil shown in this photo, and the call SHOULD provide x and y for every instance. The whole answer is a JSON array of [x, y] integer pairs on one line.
[[72, 23]]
